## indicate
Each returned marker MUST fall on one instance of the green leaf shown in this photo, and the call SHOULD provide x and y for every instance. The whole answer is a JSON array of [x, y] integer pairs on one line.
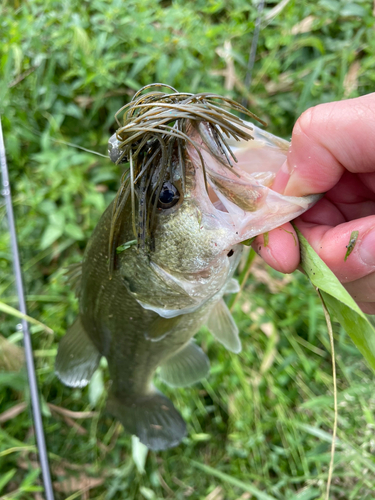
[[248, 242], [353, 9], [6, 478], [147, 493], [17, 57], [50, 235], [315, 431], [131, 83], [46, 412], [139, 64], [74, 231], [14, 380], [310, 41], [339, 302], [125, 246], [81, 39], [308, 494], [96, 387], [28, 481]]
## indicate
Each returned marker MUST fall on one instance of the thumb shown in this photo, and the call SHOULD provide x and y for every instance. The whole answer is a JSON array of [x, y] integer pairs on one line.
[[326, 140]]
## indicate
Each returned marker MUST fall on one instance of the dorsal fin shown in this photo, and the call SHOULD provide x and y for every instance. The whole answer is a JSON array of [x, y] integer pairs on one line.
[[73, 275]]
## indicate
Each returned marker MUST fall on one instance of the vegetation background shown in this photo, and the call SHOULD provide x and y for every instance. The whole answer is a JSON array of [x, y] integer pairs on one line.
[[260, 425]]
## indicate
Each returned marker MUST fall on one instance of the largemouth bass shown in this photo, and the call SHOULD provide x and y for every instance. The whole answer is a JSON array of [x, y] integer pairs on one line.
[[164, 252]]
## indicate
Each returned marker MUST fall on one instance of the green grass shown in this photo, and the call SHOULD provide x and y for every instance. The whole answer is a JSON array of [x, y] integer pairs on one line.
[[260, 426]]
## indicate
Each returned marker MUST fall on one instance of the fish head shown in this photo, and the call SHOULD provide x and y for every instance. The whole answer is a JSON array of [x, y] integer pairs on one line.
[[205, 195], [192, 255]]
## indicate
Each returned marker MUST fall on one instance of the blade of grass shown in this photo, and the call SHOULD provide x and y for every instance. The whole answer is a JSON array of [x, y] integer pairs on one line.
[[242, 279], [15, 312], [334, 431], [17, 449], [260, 495], [338, 301]]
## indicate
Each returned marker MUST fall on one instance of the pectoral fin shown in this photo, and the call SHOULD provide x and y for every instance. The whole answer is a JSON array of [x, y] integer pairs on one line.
[[186, 367], [77, 357], [222, 326], [161, 327]]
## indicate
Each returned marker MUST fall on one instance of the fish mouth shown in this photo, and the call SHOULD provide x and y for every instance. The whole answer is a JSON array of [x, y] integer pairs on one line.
[[215, 200], [235, 164], [241, 195]]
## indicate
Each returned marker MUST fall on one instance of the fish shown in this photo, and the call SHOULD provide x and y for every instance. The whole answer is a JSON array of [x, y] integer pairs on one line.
[[164, 253]]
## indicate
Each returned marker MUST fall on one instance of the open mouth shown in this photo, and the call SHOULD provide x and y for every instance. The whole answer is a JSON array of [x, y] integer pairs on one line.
[[238, 162], [218, 204], [243, 193]]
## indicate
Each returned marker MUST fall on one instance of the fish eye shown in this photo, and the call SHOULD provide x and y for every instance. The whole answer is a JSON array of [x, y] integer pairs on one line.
[[169, 196]]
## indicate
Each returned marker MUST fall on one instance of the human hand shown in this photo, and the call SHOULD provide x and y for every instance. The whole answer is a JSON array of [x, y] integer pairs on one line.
[[332, 152]]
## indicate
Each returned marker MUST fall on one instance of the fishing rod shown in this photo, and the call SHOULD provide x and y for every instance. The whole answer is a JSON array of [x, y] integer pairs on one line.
[[37, 415]]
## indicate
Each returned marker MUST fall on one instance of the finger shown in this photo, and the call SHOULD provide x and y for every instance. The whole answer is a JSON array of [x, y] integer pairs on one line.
[[368, 180], [281, 251], [350, 199], [362, 290], [324, 212], [352, 189], [367, 307], [326, 140], [331, 245]]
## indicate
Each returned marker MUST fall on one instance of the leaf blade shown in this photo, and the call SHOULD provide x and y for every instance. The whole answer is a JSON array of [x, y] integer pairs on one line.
[[15, 312], [338, 301]]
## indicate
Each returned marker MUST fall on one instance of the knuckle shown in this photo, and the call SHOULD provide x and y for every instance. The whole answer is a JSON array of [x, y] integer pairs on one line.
[[307, 123]]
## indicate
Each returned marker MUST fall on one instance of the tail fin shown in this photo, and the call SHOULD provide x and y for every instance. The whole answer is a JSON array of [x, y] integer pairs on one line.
[[152, 418]]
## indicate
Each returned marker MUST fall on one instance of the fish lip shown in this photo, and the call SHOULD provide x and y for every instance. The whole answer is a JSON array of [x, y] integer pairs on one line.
[[114, 150]]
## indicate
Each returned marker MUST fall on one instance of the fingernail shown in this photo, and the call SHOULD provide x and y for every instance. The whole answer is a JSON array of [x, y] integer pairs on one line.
[[281, 179], [367, 248]]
